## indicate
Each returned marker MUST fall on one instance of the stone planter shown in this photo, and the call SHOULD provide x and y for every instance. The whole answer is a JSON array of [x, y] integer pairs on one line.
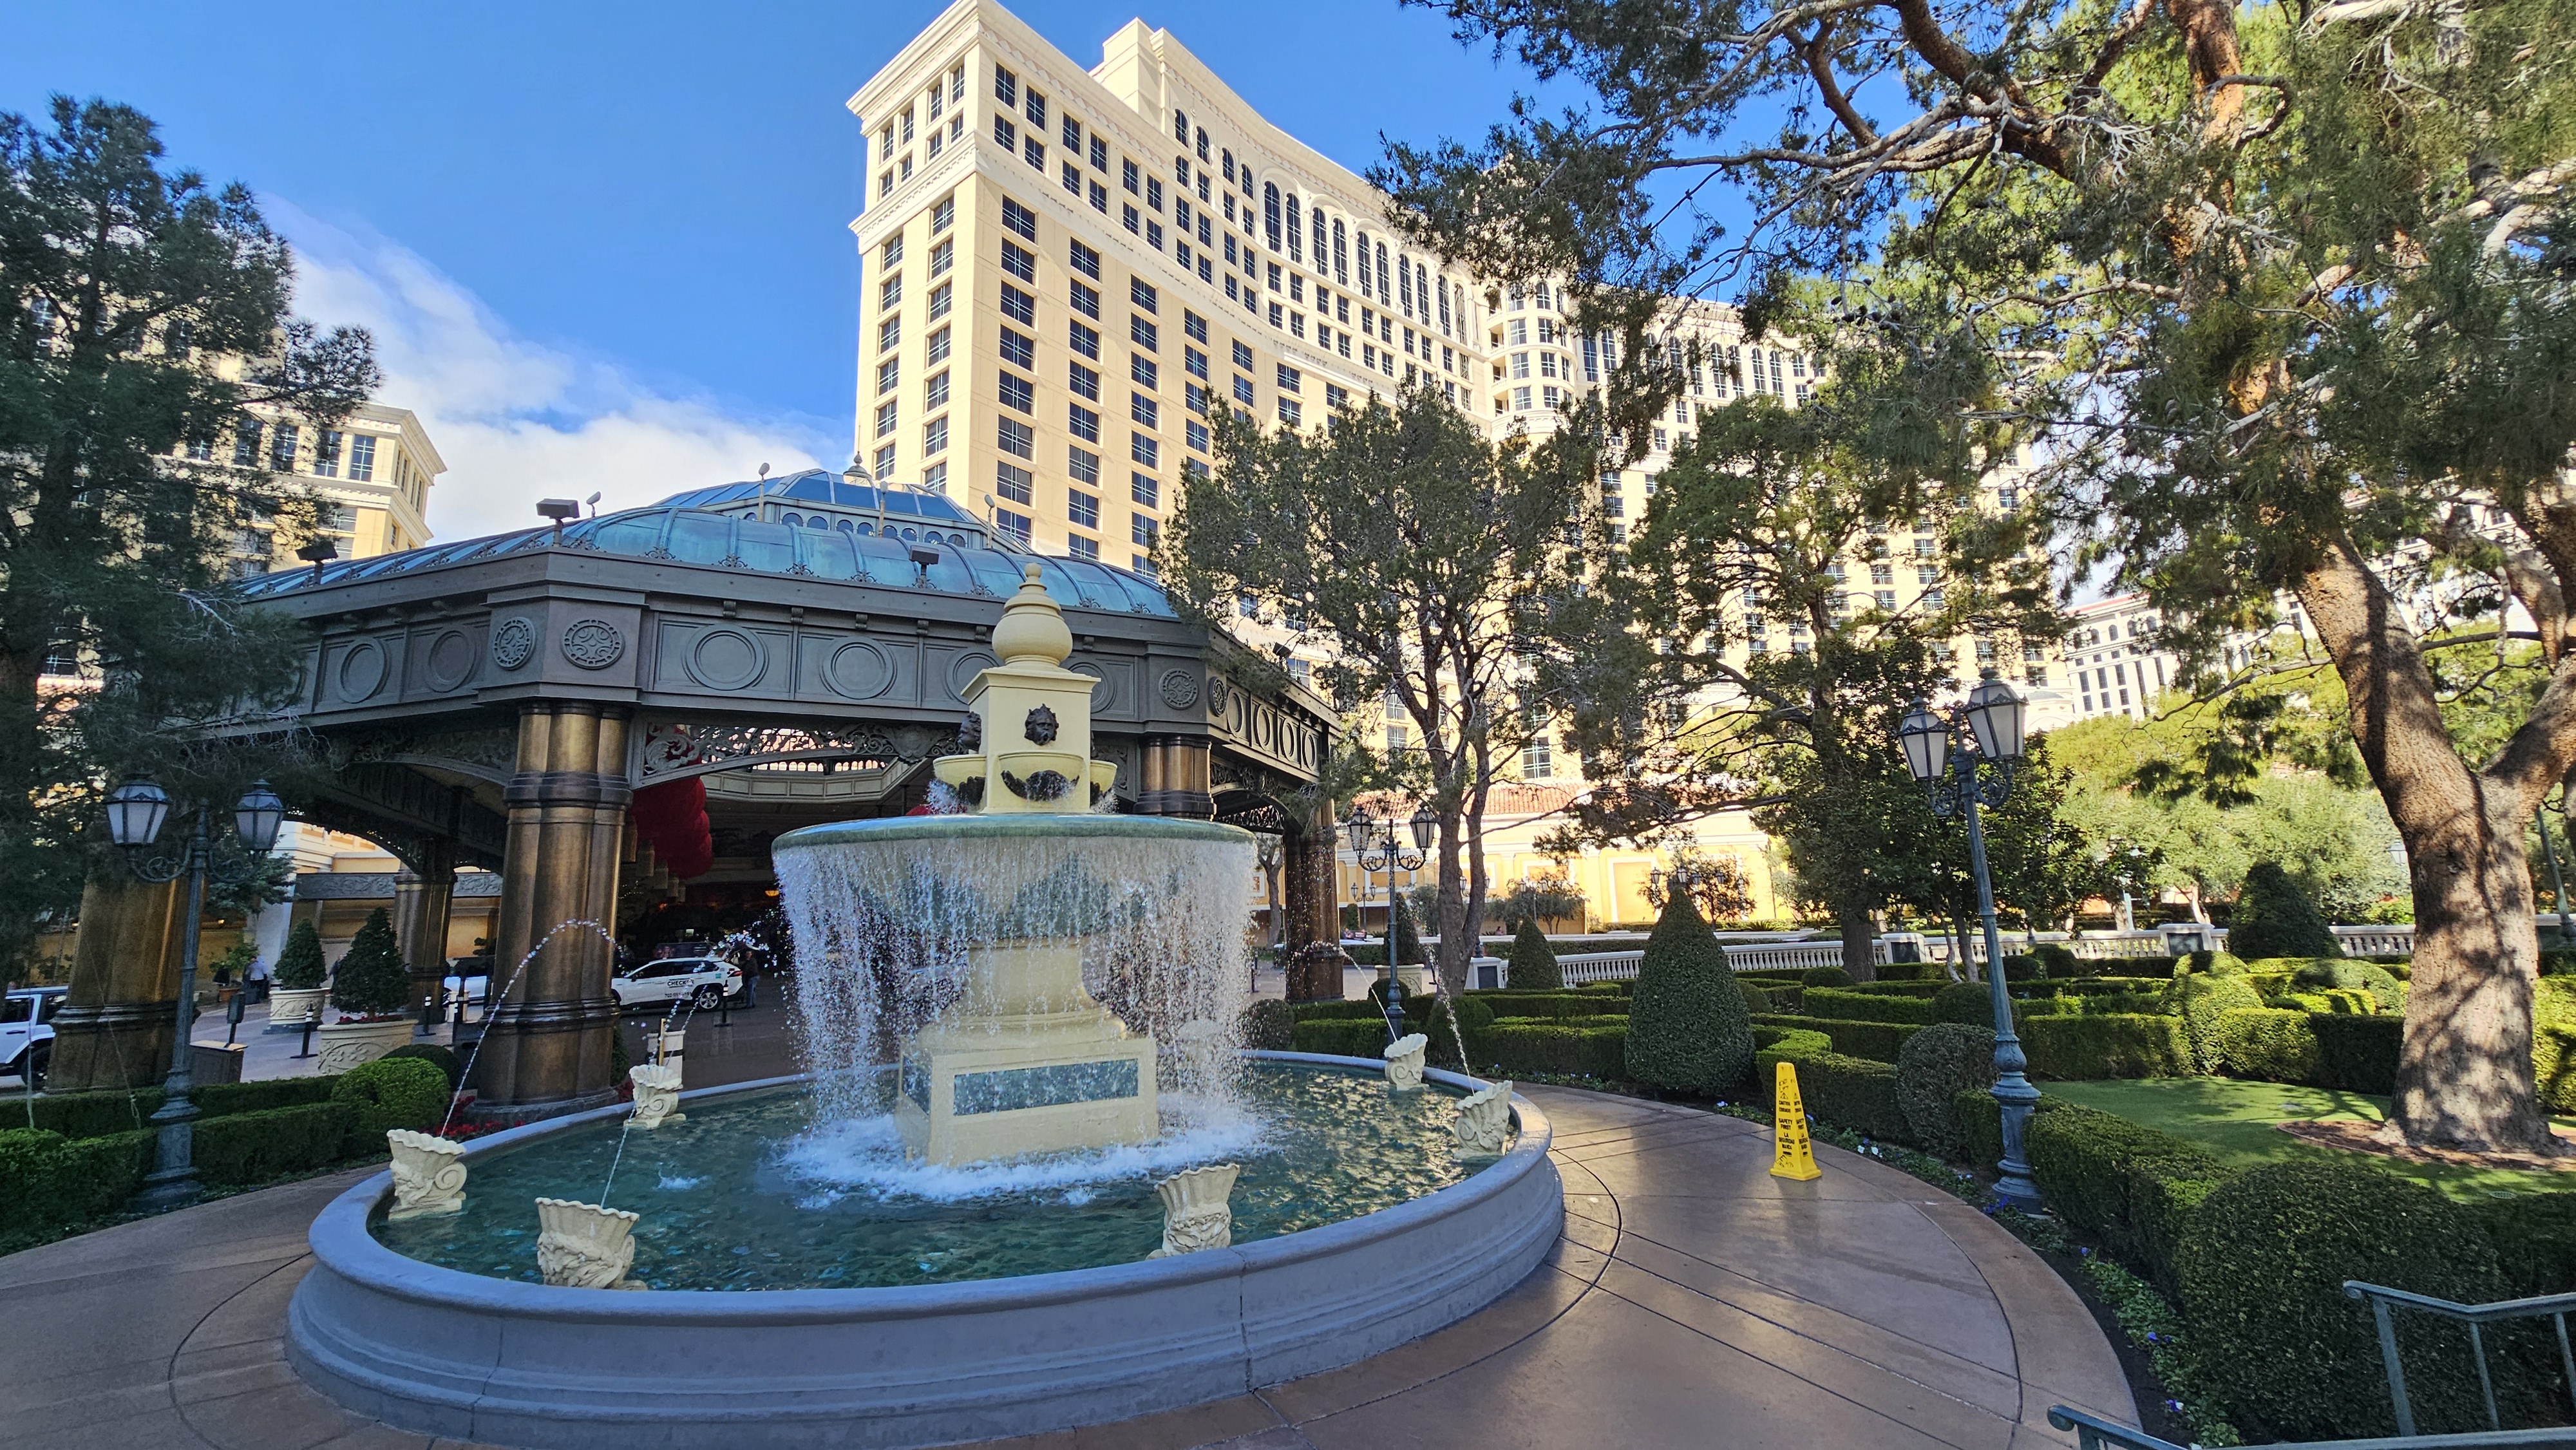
[[429, 1174], [344, 1045], [1404, 1061], [292, 1007], [585, 1246]]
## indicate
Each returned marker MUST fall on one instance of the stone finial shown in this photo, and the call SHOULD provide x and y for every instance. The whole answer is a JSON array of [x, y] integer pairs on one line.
[[1404, 1061], [1196, 1211], [585, 1246], [1484, 1118], [429, 1175], [657, 1094], [1032, 629]]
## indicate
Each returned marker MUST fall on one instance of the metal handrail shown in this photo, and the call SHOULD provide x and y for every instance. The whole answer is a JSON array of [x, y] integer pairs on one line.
[[2546, 1306], [2095, 1433]]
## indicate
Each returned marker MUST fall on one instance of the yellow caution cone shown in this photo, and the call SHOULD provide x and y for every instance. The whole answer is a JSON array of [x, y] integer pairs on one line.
[[1792, 1156]]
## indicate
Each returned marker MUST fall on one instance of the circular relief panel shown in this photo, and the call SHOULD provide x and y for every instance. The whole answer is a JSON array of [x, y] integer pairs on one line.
[[514, 643], [1102, 692], [1218, 695], [451, 659], [362, 671], [965, 668], [858, 670], [1180, 689], [594, 644], [725, 659]]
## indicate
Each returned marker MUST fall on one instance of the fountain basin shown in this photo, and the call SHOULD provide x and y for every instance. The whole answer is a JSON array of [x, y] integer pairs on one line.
[[443, 1352]]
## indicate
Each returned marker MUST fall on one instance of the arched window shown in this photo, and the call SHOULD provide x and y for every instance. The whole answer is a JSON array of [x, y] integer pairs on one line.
[[1367, 288], [1404, 284], [1270, 214], [794, 520], [1341, 256], [1383, 289], [1444, 310], [1296, 231], [1422, 288], [845, 526]]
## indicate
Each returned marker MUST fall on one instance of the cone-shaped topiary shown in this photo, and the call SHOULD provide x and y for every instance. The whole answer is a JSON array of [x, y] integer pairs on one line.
[[371, 980], [300, 967], [1404, 943], [1687, 1028], [1533, 965], [2274, 918]]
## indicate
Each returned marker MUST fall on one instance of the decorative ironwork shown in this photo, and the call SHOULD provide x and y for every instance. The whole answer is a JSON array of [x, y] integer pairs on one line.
[[514, 643], [594, 644], [1041, 727], [673, 747]]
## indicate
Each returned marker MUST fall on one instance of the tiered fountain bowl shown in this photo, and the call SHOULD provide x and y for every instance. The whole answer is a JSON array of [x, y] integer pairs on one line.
[[1019, 1021]]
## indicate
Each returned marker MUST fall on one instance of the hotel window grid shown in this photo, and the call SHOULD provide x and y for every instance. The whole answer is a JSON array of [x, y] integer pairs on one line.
[[1019, 261], [1143, 489], [1142, 293], [326, 452], [1083, 423], [1144, 410], [942, 257], [1006, 87], [281, 447], [1082, 509], [1142, 369], [1084, 382], [1143, 531], [1013, 482], [1018, 306], [938, 349], [1143, 334], [1145, 450], [1084, 340], [888, 374], [934, 436], [940, 298], [362, 458], [1020, 219], [935, 393], [1017, 393], [1019, 349], [886, 417], [1086, 299], [1016, 438], [1083, 259]]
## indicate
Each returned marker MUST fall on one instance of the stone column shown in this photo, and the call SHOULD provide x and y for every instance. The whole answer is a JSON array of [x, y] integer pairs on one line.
[[1176, 778], [114, 1028], [547, 1048], [1314, 953], [421, 902]]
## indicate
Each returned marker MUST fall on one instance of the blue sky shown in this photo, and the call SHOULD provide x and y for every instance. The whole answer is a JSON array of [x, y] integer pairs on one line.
[[605, 246]]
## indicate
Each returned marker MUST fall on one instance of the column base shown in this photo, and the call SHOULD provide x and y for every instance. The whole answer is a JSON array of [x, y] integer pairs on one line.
[[511, 1115]]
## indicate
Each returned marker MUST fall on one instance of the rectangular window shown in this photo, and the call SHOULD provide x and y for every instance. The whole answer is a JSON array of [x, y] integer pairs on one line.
[[1142, 370], [1098, 196], [889, 373], [1013, 482], [943, 214], [1143, 564], [890, 296], [1145, 450], [1034, 151], [1006, 135], [1084, 340], [1291, 380], [1099, 154], [1127, 175], [362, 458], [1086, 299], [1243, 390], [943, 257], [1142, 293], [1019, 261], [1194, 397], [1017, 218], [1084, 260], [1018, 306], [886, 412], [1130, 218], [1290, 413], [1035, 109], [1083, 467], [1017, 525], [1017, 392], [1083, 423], [1143, 531], [1017, 438], [1072, 134], [1072, 176], [1197, 433], [1084, 382], [891, 253], [1194, 361], [935, 395], [934, 436], [1143, 334], [281, 447], [1153, 194], [1144, 410], [1082, 548], [326, 452], [940, 298], [938, 352], [1006, 87], [1144, 490], [1336, 396], [1019, 349], [1081, 508]]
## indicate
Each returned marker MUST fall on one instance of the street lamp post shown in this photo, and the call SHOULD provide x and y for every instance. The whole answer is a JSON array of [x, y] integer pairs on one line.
[[1269, 849], [135, 811], [1374, 841], [2557, 881], [1943, 753]]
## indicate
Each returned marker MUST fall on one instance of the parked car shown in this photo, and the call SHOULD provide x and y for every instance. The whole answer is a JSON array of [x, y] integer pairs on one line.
[[27, 1032], [704, 981]]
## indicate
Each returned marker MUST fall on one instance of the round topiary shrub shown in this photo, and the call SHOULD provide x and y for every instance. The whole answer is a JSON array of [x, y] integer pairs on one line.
[[2274, 918], [1970, 1002], [2354, 976], [439, 1057], [1932, 1069], [1687, 1028], [1268, 1026], [2021, 967], [2263, 1265], [2059, 962], [393, 1092], [1533, 961], [371, 980], [1824, 977], [2200, 1001], [2215, 963], [300, 967]]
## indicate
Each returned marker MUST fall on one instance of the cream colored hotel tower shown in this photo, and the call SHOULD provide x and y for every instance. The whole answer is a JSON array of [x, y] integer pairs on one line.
[[1065, 269]]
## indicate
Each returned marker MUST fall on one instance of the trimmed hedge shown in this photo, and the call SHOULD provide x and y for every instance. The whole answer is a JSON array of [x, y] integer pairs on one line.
[[1340, 1037], [2200, 1001], [2262, 1277], [1934, 1067], [2360, 1053], [1879, 1041], [2129, 1185], [1969, 1002], [2078, 1049], [98, 1113], [437, 1056], [1883, 988], [2269, 1045], [393, 1092], [2274, 918], [1855, 1006], [49, 1182], [1842, 1091], [1544, 1004], [2534, 1235], [1268, 1026], [1824, 977], [1523, 1047], [248, 1148]]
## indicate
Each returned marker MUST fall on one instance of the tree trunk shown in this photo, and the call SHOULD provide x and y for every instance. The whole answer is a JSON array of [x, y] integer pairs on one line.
[[1860, 943], [1455, 938]]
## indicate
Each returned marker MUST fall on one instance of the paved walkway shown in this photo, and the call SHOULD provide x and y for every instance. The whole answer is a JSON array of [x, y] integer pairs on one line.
[[1694, 1301]]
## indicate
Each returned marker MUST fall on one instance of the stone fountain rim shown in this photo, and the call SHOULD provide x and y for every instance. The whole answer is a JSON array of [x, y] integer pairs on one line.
[[956, 827], [341, 1241]]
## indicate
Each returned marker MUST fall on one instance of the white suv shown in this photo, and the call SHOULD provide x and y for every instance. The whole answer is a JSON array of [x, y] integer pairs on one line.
[[27, 1032], [704, 981]]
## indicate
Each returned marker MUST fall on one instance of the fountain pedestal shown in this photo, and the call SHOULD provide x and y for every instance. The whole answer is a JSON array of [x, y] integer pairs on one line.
[[1030, 1064]]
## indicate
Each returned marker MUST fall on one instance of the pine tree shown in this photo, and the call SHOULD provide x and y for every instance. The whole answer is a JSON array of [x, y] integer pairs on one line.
[[300, 967], [1534, 965], [371, 980], [2274, 918], [1687, 1028]]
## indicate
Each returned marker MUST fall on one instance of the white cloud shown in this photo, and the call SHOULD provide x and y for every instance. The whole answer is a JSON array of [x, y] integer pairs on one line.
[[515, 419]]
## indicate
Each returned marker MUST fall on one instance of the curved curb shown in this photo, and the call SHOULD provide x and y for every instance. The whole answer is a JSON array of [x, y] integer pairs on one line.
[[449, 1353]]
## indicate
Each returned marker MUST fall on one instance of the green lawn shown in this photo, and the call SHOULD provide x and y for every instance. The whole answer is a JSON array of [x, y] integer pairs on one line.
[[2233, 1121]]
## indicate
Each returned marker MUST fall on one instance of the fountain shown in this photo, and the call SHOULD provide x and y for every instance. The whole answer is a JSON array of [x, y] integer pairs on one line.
[[1028, 1183]]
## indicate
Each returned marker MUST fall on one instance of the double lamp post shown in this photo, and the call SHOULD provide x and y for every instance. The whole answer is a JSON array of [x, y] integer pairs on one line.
[[1943, 751], [1373, 840], [135, 811]]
